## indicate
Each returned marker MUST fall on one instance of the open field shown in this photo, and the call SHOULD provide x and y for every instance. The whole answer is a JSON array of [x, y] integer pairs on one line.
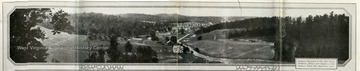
[[216, 44], [235, 49]]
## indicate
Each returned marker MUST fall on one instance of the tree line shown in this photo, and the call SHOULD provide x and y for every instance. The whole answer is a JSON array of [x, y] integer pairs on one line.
[[258, 22], [116, 25], [143, 54], [319, 36]]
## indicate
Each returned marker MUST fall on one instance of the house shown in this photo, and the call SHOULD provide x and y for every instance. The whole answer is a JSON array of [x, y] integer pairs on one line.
[[177, 49]]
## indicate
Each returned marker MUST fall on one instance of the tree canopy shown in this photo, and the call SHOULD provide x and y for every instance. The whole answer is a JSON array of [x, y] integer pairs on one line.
[[25, 34]]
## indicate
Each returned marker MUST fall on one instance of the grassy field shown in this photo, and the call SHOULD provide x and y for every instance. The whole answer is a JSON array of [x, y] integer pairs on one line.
[[61, 47], [219, 34], [235, 49], [216, 44]]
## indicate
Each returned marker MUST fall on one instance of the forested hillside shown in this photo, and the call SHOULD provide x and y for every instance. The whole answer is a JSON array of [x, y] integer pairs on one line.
[[133, 24], [319, 36]]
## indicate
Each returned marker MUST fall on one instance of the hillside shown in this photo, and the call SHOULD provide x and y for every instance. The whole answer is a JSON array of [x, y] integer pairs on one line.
[[61, 46]]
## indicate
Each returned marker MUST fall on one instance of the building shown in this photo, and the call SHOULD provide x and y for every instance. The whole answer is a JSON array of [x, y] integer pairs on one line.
[[177, 49]]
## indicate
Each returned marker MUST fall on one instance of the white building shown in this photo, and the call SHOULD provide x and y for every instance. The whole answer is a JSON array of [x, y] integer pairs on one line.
[[177, 49]]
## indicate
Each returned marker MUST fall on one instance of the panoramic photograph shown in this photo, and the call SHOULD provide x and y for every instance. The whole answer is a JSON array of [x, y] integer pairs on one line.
[[167, 35]]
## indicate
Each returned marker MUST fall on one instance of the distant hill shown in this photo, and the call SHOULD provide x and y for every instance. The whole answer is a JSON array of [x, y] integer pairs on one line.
[[170, 17], [136, 24]]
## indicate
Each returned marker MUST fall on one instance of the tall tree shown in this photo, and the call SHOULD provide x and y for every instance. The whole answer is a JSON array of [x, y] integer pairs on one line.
[[153, 36], [24, 34], [128, 47], [173, 39], [61, 22], [146, 55], [113, 52]]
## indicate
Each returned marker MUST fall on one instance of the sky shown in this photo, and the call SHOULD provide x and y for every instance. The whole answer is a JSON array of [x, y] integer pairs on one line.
[[263, 12]]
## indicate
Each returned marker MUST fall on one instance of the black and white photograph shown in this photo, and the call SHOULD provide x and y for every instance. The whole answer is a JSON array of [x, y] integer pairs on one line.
[[231, 35], [166, 35]]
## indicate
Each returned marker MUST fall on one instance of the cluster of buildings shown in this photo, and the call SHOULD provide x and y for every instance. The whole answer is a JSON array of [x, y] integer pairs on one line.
[[190, 26]]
